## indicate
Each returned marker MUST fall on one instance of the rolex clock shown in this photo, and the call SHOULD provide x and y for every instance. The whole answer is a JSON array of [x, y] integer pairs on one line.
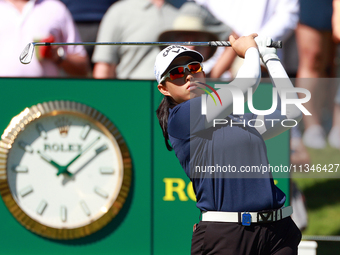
[[65, 170]]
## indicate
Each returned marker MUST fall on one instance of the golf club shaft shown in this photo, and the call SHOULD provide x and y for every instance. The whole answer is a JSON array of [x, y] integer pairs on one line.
[[277, 44], [27, 54]]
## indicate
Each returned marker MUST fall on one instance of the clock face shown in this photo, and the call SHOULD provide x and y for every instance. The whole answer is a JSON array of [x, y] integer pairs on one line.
[[66, 170]]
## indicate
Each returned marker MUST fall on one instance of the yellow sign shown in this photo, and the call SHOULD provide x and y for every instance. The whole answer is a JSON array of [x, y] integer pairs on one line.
[[178, 186]]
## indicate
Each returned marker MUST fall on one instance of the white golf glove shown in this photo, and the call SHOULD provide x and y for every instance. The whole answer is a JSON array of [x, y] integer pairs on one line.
[[266, 52]]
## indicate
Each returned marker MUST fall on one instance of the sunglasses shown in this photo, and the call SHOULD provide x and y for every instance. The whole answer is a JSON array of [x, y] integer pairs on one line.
[[179, 71]]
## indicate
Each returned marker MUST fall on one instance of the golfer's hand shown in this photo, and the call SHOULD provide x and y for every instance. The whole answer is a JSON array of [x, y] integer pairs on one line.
[[242, 44], [266, 53]]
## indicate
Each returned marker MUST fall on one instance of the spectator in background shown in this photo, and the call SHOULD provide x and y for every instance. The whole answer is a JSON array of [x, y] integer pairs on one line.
[[195, 23], [22, 22], [87, 15], [334, 137], [317, 60], [131, 21], [177, 3], [276, 19], [336, 21]]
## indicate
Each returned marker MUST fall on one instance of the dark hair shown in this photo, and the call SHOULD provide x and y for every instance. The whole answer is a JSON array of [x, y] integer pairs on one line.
[[163, 115]]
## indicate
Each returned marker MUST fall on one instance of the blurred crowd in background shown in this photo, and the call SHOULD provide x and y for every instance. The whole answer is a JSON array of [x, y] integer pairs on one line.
[[309, 29]]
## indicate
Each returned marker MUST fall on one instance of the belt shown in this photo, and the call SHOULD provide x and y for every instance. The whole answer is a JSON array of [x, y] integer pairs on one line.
[[246, 218]]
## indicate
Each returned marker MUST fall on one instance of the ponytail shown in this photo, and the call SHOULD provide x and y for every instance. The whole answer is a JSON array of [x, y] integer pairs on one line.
[[163, 115]]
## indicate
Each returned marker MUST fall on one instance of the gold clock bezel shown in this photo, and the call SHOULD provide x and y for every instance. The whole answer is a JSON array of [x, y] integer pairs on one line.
[[54, 108]]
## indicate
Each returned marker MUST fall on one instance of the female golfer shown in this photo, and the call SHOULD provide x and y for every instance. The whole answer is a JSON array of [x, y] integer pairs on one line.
[[242, 212]]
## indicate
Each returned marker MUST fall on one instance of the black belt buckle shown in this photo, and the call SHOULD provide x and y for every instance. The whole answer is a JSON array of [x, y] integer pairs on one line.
[[246, 219], [266, 216]]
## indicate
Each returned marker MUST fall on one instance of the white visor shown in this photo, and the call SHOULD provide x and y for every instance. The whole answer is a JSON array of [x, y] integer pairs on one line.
[[166, 56]]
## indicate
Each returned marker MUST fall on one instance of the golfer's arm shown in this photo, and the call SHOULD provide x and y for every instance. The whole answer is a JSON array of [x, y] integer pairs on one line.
[[273, 125], [104, 70], [224, 63], [76, 65], [248, 76]]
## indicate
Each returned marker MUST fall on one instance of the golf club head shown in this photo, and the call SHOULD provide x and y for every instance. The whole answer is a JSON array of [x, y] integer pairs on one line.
[[27, 54]]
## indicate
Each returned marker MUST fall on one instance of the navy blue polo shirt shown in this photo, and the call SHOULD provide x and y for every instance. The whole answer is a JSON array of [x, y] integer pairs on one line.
[[238, 146]]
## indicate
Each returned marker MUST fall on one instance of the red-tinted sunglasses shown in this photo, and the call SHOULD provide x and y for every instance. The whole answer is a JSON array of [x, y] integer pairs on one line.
[[179, 71]]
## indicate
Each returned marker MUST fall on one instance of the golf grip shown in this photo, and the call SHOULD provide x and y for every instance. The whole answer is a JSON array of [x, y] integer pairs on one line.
[[277, 44]]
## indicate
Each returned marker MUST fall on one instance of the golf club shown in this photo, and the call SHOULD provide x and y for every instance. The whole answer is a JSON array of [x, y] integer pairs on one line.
[[27, 54]]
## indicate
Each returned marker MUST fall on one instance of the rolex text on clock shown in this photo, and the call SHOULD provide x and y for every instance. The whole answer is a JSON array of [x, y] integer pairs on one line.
[[65, 169]]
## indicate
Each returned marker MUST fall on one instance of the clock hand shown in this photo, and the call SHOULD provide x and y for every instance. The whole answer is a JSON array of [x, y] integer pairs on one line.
[[53, 163], [64, 169], [97, 151], [101, 149]]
